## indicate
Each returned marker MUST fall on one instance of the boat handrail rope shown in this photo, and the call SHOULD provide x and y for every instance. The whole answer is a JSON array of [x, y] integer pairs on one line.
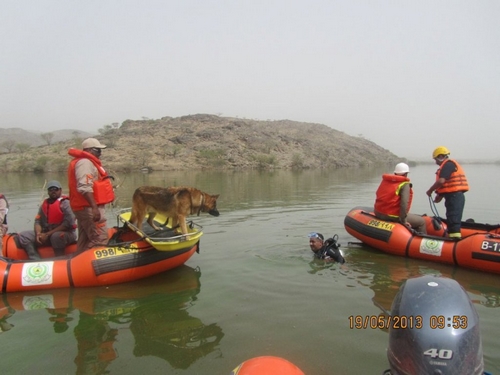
[[434, 208], [179, 237]]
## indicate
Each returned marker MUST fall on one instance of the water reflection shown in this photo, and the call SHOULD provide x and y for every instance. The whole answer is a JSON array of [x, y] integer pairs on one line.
[[235, 187], [155, 311], [384, 274]]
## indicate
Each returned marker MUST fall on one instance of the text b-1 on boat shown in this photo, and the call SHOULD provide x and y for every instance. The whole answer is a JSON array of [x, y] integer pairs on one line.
[[479, 247]]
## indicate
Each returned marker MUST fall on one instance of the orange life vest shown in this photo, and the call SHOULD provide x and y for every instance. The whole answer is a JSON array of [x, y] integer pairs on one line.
[[388, 200], [53, 211], [456, 182], [102, 187]]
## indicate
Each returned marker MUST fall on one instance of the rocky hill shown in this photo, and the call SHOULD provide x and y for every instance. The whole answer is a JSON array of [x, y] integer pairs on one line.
[[210, 142]]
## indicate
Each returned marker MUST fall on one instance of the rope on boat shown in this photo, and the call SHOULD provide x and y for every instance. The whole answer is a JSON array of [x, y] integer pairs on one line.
[[434, 208]]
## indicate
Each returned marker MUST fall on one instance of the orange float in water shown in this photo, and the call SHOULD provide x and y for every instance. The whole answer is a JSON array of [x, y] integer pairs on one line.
[[267, 365]]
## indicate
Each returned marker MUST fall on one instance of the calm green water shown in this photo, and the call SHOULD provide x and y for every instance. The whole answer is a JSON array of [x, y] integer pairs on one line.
[[253, 290]]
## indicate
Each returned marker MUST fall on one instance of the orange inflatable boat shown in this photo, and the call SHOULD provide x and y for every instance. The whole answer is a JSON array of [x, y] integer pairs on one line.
[[129, 255], [479, 247]]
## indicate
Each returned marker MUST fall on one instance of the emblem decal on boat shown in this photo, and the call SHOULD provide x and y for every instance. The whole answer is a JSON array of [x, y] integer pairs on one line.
[[37, 273], [431, 247]]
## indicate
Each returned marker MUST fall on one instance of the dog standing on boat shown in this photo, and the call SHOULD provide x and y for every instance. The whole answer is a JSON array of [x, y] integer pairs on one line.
[[174, 202]]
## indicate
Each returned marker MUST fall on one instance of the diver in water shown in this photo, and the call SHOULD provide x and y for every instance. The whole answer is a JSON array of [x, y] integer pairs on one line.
[[328, 250]]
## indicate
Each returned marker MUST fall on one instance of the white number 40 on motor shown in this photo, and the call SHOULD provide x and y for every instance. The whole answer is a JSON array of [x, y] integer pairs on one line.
[[439, 353]]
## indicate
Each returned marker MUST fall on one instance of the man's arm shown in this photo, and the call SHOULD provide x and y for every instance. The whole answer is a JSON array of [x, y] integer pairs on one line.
[[85, 173], [436, 185], [68, 222], [404, 195], [444, 174], [40, 220]]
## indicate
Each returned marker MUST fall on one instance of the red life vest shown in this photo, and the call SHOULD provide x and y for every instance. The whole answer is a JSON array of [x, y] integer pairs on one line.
[[53, 211], [388, 200], [456, 182], [102, 187]]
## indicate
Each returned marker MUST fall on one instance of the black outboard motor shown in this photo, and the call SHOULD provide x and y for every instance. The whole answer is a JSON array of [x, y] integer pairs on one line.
[[434, 330]]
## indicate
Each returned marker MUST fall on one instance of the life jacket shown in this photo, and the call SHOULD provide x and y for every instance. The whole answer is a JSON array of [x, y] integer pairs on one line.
[[102, 187], [7, 202], [53, 211], [388, 200], [456, 182]]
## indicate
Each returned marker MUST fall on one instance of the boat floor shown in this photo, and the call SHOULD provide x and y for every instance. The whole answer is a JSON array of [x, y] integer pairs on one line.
[[167, 238]]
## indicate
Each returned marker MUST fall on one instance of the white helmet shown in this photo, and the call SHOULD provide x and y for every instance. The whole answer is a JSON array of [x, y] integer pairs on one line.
[[402, 168]]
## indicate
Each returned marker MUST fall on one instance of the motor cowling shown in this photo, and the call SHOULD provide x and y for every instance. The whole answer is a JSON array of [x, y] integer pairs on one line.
[[434, 330]]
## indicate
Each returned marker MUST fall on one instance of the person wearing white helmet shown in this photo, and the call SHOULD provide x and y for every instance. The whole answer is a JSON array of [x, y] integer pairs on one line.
[[393, 199], [450, 184]]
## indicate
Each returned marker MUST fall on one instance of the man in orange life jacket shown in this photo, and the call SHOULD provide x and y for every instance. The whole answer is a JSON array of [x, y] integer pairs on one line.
[[54, 224], [90, 189], [393, 199], [451, 184]]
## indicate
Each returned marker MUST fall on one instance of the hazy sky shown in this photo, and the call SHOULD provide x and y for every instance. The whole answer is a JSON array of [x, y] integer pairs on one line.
[[408, 75]]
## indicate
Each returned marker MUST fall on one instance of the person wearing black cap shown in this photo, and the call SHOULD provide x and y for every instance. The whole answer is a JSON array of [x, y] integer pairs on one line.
[[54, 225], [327, 250]]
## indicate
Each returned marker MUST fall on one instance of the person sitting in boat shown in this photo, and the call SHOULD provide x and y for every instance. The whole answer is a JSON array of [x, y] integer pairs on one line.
[[4, 208], [393, 199], [327, 250], [54, 224]]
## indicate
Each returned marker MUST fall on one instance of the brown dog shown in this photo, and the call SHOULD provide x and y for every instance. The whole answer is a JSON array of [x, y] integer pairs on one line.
[[174, 202]]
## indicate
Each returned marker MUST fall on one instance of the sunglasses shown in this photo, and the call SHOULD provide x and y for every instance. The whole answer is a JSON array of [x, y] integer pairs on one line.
[[53, 189], [95, 149], [314, 235]]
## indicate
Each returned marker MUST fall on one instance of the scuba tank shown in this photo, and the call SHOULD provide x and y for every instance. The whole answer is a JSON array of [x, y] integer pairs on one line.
[[331, 249]]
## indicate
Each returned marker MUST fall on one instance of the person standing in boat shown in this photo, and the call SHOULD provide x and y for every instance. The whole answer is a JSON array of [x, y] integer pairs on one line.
[[4, 208], [54, 225], [90, 189], [451, 184], [393, 199], [327, 250]]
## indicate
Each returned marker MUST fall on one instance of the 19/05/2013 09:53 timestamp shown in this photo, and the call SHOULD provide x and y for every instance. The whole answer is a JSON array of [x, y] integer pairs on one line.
[[406, 321]]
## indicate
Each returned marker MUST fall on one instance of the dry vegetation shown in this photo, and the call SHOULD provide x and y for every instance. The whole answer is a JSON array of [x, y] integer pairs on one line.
[[209, 142]]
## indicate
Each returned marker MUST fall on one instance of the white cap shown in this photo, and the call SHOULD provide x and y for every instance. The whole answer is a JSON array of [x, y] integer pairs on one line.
[[92, 143]]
